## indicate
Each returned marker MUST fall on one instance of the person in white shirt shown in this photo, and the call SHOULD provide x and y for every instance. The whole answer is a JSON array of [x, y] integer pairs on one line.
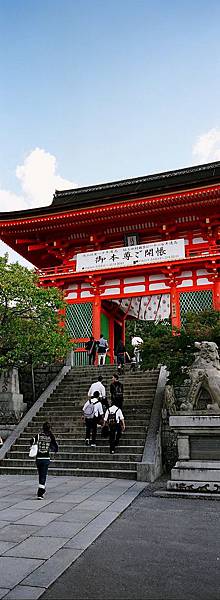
[[99, 387], [93, 414], [114, 418], [137, 343], [102, 349]]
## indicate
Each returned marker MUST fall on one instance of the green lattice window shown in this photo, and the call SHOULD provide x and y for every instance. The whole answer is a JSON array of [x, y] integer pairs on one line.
[[79, 319], [195, 301], [81, 358]]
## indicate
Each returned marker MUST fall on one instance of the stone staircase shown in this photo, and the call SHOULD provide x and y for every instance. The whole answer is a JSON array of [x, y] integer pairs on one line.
[[63, 410]]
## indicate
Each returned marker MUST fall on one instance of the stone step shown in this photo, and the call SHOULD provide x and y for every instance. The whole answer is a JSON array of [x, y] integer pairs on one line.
[[81, 434], [130, 415], [130, 429], [74, 393], [119, 474], [75, 464], [53, 419], [84, 387], [79, 442], [71, 408], [73, 374], [106, 369], [79, 398], [73, 449], [85, 378], [63, 410], [129, 401], [87, 454]]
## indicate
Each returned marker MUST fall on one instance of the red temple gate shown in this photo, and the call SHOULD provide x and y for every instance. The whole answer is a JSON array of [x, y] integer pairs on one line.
[[73, 240]]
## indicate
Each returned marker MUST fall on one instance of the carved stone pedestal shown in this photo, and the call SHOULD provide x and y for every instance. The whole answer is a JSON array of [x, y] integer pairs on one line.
[[11, 401], [198, 465]]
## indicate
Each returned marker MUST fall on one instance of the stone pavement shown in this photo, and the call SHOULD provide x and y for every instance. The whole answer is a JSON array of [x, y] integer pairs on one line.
[[159, 549], [40, 539]]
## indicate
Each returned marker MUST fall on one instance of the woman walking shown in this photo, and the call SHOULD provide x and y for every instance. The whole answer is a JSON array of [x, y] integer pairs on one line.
[[46, 443], [91, 350]]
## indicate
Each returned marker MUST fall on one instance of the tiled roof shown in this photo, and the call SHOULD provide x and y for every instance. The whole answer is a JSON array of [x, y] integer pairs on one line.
[[125, 190]]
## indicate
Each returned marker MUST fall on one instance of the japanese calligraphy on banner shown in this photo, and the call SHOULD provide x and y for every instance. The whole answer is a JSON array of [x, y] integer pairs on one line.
[[168, 250]]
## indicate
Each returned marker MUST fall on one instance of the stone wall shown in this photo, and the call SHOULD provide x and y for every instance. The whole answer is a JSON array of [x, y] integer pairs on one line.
[[6, 429], [168, 435], [169, 446], [42, 378]]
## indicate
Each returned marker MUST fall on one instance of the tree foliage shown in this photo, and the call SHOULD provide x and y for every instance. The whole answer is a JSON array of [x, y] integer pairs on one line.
[[174, 349], [30, 331]]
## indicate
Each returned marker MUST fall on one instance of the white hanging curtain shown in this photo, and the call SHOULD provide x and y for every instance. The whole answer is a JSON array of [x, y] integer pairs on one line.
[[147, 308]]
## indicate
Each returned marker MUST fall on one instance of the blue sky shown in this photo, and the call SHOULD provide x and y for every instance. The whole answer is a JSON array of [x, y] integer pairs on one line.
[[109, 89]]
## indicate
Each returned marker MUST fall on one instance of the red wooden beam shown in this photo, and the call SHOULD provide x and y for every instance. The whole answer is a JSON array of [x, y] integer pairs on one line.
[[36, 247]]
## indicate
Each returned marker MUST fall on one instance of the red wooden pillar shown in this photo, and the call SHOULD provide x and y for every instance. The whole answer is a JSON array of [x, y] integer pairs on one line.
[[123, 330], [216, 294], [175, 307], [62, 313], [96, 317], [111, 339]]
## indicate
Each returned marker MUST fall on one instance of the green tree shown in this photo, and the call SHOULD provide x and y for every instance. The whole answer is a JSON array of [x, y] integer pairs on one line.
[[175, 349], [30, 331]]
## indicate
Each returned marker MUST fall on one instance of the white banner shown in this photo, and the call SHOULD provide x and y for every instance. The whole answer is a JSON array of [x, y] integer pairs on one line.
[[127, 256]]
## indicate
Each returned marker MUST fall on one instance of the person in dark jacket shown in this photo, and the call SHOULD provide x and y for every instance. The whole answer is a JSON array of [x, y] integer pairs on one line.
[[46, 443], [116, 391], [91, 350], [120, 354]]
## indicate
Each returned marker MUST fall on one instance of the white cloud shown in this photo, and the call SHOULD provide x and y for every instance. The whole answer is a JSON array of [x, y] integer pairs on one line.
[[207, 147], [38, 180], [10, 201]]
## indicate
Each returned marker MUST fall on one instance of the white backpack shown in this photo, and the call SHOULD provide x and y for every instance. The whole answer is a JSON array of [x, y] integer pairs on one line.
[[89, 410]]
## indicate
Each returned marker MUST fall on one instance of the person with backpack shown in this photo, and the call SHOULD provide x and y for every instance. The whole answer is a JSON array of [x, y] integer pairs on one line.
[[46, 443], [102, 349], [93, 414], [116, 391], [90, 346], [114, 420]]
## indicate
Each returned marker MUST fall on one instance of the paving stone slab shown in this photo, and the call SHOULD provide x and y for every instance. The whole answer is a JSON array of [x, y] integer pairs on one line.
[[52, 568], [93, 504], [37, 547], [92, 531], [25, 592], [13, 570], [75, 498], [57, 507], [4, 546], [3, 524], [16, 533], [32, 504], [79, 516], [20, 496], [13, 498], [12, 514], [60, 529], [53, 533], [39, 519], [6, 503], [3, 592]]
